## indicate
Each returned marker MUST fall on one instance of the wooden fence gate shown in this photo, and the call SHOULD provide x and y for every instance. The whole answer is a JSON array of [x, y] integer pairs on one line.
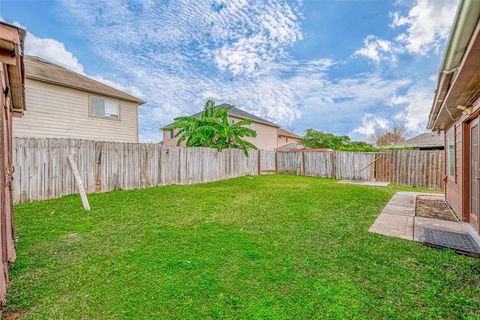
[[355, 165], [416, 168]]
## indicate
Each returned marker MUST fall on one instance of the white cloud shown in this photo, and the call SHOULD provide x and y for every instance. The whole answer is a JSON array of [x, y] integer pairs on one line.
[[375, 49], [181, 52], [417, 102], [184, 53], [271, 32], [428, 23], [49, 49], [370, 124], [52, 50]]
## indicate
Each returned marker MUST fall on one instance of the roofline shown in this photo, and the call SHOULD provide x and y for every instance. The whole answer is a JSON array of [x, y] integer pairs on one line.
[[131, 99], [463, 27], [135, 100], [239, 117], [271, 124], [422, 145], [289, 134]]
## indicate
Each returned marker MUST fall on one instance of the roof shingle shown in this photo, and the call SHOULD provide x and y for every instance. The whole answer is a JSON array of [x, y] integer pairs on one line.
[[426, 140], [39, 69]]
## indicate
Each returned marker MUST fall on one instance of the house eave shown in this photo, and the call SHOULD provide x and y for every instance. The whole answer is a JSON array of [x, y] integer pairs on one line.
[[461, 49]]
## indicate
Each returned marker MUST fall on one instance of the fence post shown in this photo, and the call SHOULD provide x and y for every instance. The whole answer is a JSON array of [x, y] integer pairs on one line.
[[259, 170], [303, 163], [334, 165], [98, 167], [276, 164]]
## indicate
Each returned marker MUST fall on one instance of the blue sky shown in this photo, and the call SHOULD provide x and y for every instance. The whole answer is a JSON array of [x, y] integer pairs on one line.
[[346, 67]]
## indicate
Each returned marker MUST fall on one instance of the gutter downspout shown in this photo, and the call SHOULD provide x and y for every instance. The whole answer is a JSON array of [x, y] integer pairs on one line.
[[464, 24]]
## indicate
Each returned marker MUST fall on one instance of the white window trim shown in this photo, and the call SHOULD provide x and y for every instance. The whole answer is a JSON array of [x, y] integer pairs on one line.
[[451, 141], [90, 111]]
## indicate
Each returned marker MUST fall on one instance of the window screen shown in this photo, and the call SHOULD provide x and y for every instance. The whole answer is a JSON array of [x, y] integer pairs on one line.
[[103, 107]]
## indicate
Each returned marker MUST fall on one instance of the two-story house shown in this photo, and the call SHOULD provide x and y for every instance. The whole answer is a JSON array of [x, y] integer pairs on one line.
[[64, 104], [269, 135]]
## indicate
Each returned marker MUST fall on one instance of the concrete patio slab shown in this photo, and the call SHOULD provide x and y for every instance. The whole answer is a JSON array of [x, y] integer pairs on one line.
[[403, 210], [398, 219], [366, 183], [399, 226]]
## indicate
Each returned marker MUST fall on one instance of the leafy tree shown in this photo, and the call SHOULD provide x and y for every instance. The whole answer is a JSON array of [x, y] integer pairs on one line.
[[213, 130], [319, 139]]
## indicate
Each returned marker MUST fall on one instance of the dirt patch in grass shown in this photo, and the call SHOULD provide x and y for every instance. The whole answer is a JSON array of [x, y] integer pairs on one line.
[[433, 207], [12, 316]]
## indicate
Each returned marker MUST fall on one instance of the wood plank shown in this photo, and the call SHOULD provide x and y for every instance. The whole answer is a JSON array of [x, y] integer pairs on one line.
[[83, 194]]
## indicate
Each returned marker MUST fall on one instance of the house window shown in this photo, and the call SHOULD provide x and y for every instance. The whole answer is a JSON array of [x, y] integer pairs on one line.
[[451, 153], [253, 126], [103, 107], [171, 134], [232, 121], [286, 139]]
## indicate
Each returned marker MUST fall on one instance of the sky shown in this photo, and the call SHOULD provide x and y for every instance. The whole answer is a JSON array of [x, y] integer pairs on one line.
[[341, 66]]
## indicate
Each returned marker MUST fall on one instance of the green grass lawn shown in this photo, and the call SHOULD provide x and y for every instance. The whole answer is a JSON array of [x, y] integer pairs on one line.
[[269, 247]]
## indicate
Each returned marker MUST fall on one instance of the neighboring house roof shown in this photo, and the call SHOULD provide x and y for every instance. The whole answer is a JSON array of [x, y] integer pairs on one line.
[[283, 132], [301, 149], [290, 146], [426, 140], [238, 113], [40, 69]]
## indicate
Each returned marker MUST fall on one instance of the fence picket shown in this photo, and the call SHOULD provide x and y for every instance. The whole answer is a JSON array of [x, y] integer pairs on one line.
[[42, 170]]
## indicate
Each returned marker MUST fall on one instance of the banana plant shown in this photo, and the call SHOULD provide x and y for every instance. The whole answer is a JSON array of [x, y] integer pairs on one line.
[[213, 130]]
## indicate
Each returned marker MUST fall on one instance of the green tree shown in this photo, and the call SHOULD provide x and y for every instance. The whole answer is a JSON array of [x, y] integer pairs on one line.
[[319, 139], [213, 130]]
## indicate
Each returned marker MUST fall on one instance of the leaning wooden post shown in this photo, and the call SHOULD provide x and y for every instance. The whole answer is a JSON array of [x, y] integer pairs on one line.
[[81, 189]]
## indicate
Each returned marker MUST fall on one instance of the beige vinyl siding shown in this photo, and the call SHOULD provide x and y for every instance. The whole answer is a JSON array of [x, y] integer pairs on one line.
[[59, 112], [266, 138], [167, 141], [282, 140]]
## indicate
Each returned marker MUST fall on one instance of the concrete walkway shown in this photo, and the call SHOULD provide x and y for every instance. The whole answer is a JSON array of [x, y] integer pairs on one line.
[[398, 219], [366, 183]]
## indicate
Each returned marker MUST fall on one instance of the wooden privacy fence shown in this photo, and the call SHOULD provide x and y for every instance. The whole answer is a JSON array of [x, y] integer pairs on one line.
[[341, 165], [417, 168], [43, 172], [423, 169]]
